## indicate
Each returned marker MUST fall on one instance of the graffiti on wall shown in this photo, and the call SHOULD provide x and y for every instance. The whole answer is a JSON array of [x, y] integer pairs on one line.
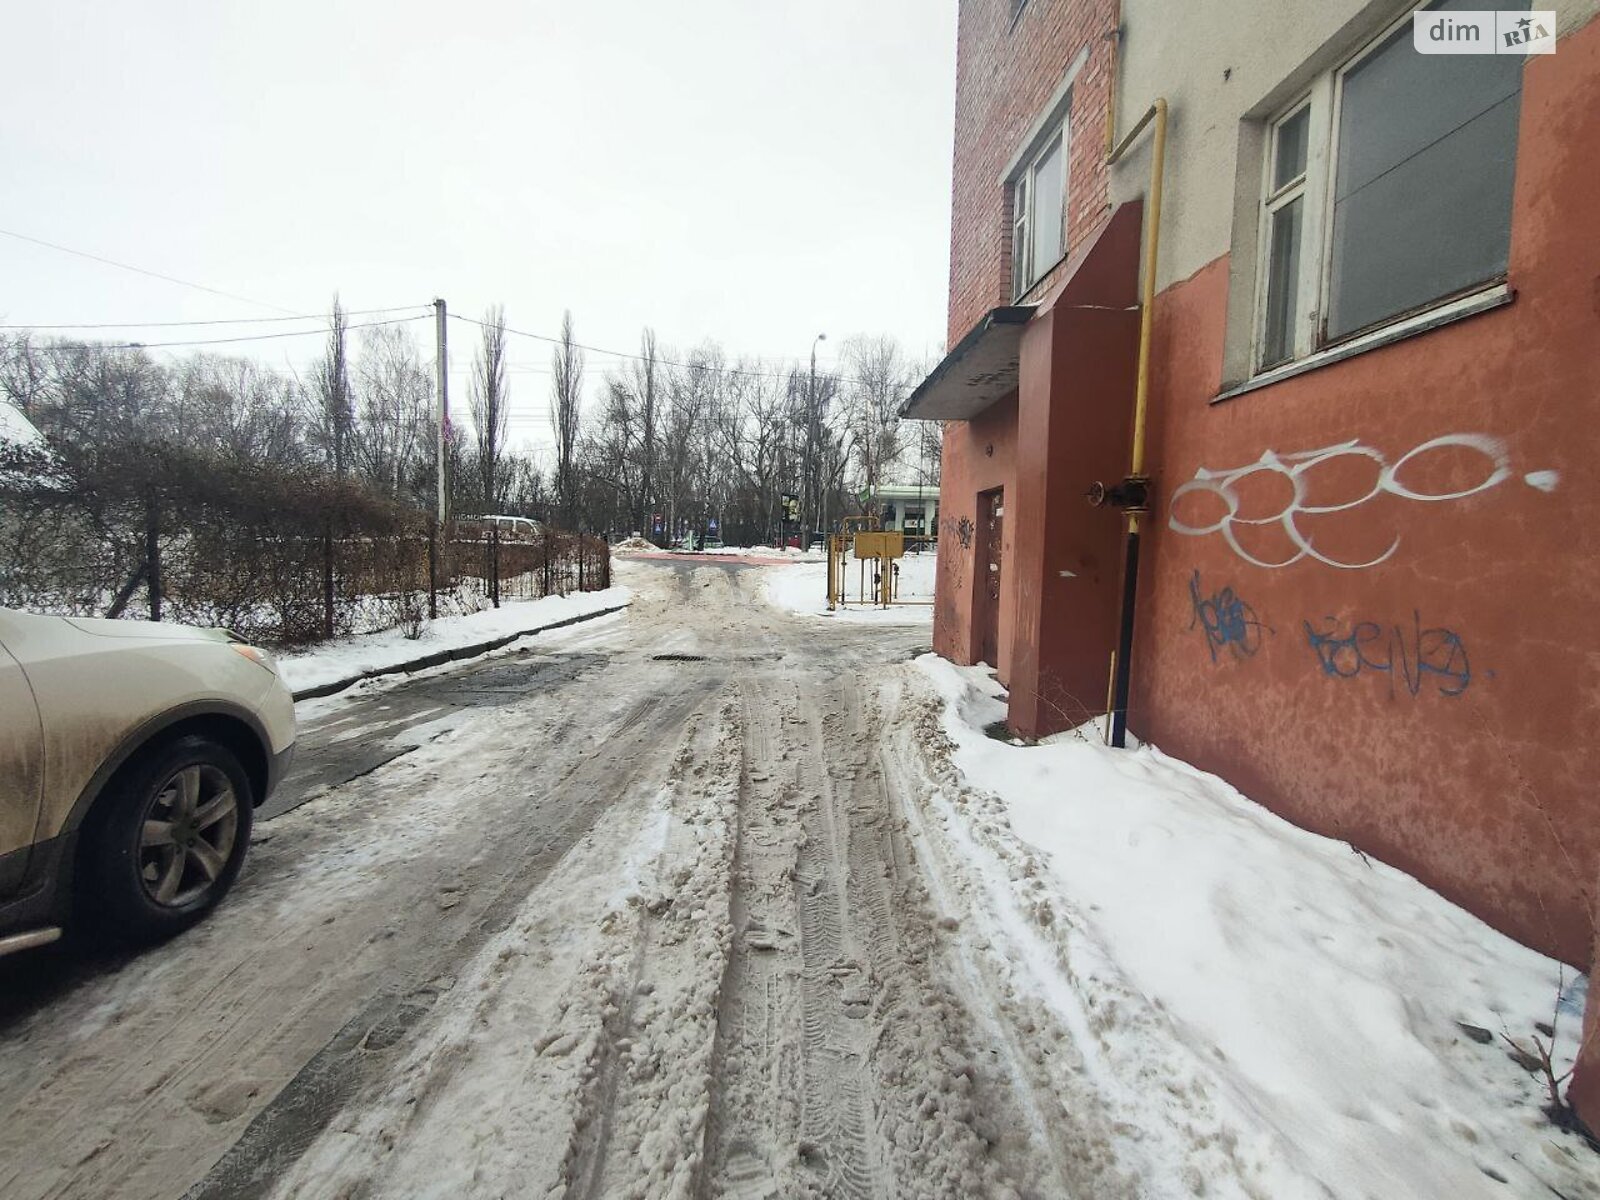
[[955, 565], [1295, 506], [1411, 656], [1229, 624]]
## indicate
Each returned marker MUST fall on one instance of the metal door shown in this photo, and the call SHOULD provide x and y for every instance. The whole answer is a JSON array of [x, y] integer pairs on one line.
[[991, 531]]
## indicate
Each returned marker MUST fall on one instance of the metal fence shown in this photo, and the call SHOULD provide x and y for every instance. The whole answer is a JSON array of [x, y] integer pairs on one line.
[[283, 557]]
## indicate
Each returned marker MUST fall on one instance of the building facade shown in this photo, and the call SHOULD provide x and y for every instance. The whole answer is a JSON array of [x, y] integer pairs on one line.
[[1366, 566]]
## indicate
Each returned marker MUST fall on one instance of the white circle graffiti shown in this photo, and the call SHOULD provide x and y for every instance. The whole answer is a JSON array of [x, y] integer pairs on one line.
[[1294, 466]]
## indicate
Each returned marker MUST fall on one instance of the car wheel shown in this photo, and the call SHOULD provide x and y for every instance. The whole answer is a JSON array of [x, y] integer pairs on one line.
[[167, 840]]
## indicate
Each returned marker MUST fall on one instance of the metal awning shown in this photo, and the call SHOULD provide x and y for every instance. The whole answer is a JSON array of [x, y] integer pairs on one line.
[[980, 370]]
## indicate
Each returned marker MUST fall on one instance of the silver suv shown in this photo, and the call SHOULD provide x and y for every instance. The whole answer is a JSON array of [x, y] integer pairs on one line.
[[132, 756]]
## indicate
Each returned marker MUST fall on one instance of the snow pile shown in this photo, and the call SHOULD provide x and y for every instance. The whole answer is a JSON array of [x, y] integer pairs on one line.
[[636, 545], [348, 657], [1292, 1016], [16, 428], [803, 588], [815, 554]]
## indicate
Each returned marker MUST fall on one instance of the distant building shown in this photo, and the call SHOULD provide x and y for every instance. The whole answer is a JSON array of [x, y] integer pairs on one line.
[[911, 508], [1369, 561]]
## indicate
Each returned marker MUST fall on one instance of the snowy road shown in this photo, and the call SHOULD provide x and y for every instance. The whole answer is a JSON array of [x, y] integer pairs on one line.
[[635, 911]]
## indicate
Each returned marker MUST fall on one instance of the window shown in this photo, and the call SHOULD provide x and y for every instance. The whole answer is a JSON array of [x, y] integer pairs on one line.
[[1039, 212], [1387, 189], [1285, 221]]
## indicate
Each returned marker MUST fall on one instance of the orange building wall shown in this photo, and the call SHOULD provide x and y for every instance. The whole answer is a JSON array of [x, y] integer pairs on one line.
[[1438, 709]]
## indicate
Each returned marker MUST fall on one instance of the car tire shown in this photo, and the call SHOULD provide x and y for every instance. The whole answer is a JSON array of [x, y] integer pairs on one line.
[[166, 840]]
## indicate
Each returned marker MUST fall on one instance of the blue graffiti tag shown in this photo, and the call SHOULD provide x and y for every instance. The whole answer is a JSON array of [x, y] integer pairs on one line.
[[1228, 621], [1411, 656]]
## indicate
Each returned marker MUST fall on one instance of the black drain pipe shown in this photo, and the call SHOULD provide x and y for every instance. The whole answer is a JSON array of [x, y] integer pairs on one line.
[[1130, 588]]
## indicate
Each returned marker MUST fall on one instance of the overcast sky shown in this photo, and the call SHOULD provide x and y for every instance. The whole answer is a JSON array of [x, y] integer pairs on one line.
[[752, 171]]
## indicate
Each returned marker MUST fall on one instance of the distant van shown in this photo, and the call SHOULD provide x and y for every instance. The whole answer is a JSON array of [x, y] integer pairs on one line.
[[512, 529]]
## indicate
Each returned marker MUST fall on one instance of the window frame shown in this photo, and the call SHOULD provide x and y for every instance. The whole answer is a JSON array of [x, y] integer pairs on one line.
[[1325, 99], [1273, 201], [1024, 183]]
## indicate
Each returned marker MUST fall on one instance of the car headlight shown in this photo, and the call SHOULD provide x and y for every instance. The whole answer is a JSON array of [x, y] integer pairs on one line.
[[256, 655]]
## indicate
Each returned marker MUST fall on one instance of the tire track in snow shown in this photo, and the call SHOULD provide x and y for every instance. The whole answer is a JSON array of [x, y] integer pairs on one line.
[[939, 1113], [750, 1142], [641, 1130], [838, 1099], [346, 1073]]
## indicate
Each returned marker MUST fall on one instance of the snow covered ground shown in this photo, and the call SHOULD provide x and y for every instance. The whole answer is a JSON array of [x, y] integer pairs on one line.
[[792, 552], [691, 902], [759, 554], [803, 588], [1263, 1011], [347, 657]]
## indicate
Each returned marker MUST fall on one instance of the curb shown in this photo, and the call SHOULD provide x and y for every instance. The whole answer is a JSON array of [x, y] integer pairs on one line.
[[439, 657]]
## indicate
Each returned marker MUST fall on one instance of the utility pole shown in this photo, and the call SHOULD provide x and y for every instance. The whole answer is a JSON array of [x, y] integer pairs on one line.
[[442, 419], [443, 413]]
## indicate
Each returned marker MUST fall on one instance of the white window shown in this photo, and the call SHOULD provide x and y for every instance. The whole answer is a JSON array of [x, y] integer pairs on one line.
[[1039, 211], [1387, 191]]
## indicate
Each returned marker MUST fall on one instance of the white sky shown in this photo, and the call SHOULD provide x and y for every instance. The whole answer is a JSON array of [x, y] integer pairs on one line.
[[753, 171]]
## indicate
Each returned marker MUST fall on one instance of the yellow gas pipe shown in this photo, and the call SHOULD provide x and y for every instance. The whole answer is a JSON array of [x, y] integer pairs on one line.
[[1121, 659], [1157, 112]]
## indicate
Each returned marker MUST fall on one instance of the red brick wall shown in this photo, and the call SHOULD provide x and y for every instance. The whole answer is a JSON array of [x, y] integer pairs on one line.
[[1005, 75]]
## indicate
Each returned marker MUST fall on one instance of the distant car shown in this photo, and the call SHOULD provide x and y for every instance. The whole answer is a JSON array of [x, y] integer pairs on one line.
[[132, 757]]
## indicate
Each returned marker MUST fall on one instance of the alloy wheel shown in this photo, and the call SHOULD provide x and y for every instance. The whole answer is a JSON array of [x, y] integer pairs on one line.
[[187, 836]]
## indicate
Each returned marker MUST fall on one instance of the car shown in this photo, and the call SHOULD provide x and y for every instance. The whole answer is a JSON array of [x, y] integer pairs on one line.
[[132, 757]]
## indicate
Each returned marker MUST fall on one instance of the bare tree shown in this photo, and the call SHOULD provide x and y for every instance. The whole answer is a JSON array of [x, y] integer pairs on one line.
[[238, 408], [396, 398], [491, 400], [23, 375], [566, 406], [525, 486], [611, 453], [645, 378], [878, 377], [333, 391], [811, 418]]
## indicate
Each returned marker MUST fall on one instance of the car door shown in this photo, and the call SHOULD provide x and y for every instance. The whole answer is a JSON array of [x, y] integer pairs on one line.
[[21, 771]]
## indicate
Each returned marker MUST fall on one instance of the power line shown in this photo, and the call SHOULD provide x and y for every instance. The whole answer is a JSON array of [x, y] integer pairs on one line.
[[258, 337], [665, 362], [512, 368], [111, 262], [360, 312]]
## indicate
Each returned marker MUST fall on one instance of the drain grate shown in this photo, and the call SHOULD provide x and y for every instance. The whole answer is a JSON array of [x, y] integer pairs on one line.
[[678, 658]]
